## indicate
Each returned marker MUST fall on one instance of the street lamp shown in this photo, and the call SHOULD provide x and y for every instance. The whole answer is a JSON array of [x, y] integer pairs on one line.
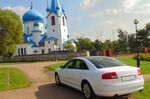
[[137, 45]]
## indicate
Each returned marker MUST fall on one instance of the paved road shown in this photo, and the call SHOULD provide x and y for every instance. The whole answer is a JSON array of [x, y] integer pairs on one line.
[[43, 86]]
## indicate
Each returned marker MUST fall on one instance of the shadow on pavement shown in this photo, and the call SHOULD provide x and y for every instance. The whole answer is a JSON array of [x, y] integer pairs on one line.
[[51, 91]]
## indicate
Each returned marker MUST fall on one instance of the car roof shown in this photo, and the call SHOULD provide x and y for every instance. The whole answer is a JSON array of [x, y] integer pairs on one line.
[[92, 57]]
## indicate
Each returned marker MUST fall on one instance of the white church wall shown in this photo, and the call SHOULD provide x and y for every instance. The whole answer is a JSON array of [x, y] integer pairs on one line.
[[26, 46], [50, 44], [30, 25], [58, 30], [64, 29], [36, 37]]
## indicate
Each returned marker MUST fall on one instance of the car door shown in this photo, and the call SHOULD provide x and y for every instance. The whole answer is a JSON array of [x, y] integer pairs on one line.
[[76, 74], [65, 71]]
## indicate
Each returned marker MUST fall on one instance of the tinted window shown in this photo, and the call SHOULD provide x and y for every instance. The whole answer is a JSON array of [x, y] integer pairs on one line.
[[104, 62], [80, 65], [69, 65]]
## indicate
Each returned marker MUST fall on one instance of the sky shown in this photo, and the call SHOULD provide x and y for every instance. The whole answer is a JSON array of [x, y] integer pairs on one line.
[[94, 19]]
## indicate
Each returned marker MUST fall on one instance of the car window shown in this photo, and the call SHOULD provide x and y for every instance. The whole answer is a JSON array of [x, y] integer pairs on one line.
[[69, 65], [105, 62], [79, 64]]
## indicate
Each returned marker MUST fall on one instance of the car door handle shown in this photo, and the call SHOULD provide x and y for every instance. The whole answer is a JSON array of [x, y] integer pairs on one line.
[[80, 73]]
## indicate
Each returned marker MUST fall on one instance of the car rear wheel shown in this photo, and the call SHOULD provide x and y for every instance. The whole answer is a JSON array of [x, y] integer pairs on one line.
[[87, 91], [57, 80]]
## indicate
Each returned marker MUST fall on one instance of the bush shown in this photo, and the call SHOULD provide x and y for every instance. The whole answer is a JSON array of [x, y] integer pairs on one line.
[[143, 57]]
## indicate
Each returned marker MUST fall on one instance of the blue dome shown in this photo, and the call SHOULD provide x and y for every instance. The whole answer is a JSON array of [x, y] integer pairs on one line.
[[32, 15]]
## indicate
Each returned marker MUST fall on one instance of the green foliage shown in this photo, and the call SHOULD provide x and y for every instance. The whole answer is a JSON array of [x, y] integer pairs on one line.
[[145, 93], [11, 31], [143, 57], [143, 37], [98, 45], [69, 46], [84, 44], [107, 44], [132, 42], [53, 67], [17, 79], [123, 40]]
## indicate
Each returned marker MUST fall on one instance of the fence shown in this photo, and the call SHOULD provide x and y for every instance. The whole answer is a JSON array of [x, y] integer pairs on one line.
[[46, 57]]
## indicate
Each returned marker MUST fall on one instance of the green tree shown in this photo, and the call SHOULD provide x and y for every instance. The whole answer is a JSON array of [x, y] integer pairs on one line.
[[107, 44], [132, 42], [143, 36], [69, 46], [123, 40], [11, 31], [98, 45], [84, 44]]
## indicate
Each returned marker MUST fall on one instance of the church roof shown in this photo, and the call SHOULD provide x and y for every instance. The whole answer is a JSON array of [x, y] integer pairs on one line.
[[43, 39], [52, 38], [35, 45], [32, 15], [47, 9], [29, 41], [46, 38], [55, 5]]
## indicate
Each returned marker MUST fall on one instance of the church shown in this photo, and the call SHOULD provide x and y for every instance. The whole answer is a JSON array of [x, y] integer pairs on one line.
[[40, 39]]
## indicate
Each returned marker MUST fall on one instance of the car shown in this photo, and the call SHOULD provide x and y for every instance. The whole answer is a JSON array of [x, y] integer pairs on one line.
[[100, 76]]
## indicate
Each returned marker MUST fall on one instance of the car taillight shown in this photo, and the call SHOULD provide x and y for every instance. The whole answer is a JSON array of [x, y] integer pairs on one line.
[[112, 75], [139, 72]]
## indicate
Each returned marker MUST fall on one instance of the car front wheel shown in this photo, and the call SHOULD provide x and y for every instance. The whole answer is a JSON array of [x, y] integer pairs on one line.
[[87, 91], [57, 80]]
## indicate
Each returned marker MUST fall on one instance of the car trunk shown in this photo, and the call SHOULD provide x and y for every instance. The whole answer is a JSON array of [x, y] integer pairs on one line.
[[124, 73]]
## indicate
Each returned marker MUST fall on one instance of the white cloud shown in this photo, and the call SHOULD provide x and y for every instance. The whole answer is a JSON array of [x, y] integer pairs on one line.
[[20, 10], [105, 12], [130, 3], [88, 3], [75, 18], [139, 9], [105, 23]]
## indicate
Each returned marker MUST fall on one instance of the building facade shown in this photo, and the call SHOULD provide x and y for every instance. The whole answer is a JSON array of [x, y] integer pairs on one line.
[[40, 39]]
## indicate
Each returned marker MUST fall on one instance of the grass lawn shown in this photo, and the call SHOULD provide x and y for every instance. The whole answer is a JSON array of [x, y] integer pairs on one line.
[[53, 67], [145, 65], [15, 63], [17, 79], [145, 93]]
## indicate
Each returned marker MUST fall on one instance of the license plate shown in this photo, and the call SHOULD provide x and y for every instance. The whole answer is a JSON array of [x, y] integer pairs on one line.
[[128, 78]]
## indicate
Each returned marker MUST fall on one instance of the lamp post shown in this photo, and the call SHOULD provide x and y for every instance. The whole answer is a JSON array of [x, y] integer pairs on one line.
[[137, 45]]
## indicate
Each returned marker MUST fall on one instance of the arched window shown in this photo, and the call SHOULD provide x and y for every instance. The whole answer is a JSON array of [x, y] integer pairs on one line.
[[27, 29], [63, 21], [42, 51], [25, 53], [18, 51], [53, 20], [21, 51]]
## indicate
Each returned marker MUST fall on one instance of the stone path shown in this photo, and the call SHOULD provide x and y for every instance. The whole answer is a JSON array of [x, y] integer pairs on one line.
[[43, 86]]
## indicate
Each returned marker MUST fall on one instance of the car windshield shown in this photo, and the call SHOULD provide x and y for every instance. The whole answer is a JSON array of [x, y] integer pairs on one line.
[[104, 62]]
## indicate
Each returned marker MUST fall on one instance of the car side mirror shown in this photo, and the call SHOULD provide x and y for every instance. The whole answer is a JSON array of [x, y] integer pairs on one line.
[[61, 67]]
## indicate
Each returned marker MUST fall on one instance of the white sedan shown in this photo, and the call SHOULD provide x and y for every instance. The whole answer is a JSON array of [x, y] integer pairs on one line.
[[101, 76]]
